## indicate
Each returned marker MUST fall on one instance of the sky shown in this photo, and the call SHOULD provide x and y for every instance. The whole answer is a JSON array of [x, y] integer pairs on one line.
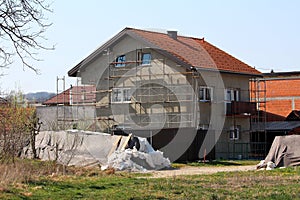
[[265, 34]]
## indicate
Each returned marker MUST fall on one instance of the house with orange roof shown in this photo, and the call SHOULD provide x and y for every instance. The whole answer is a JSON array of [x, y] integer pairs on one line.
[[187, 96], [75, 95], [71, 108]]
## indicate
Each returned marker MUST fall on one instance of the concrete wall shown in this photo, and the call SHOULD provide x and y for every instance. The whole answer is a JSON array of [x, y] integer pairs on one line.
[[177, 100], [81, 117]]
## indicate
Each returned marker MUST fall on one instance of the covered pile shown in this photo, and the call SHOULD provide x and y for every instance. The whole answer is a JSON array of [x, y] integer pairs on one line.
[[284, 152], [81, 148], [138, 160]]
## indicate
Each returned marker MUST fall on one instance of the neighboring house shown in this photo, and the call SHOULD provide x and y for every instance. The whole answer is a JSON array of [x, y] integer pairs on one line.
[[282, 94], [180, 92], [278, 98], [293, 116], [74, 95], [271, 129], [72, 108]]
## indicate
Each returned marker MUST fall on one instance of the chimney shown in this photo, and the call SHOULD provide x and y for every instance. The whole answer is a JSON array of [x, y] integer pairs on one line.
[[172, 34]]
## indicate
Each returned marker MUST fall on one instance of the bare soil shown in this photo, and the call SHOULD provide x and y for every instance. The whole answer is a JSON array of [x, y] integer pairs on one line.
[[189, 170]]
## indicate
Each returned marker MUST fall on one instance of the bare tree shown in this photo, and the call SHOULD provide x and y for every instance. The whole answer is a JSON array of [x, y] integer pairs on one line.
[[22, 25]]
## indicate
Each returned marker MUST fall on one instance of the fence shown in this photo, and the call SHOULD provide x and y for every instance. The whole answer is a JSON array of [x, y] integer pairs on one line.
[[238, 150]]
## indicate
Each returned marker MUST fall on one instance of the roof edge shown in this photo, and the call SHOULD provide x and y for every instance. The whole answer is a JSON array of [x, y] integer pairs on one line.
[[73, 72]]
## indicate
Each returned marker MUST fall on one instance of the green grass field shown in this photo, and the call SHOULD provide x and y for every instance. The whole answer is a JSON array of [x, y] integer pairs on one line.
[[95, 184]]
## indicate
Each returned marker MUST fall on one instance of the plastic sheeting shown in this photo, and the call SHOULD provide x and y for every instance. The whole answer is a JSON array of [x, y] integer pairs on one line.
[[81, 148], [133, 160], [284, 152]]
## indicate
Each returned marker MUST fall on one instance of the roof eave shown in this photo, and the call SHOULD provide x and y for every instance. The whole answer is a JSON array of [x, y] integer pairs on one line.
[[74, 71], [229, 72]]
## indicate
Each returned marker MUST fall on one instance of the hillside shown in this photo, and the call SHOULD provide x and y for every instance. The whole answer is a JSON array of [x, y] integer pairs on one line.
[[39, 97]]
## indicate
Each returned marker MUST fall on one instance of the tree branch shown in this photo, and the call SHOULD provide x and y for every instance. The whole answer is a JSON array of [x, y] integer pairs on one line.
[[22, 25]]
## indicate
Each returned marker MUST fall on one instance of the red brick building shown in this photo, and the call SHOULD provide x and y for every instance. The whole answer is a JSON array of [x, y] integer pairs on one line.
[[281, 95], [278, 94]]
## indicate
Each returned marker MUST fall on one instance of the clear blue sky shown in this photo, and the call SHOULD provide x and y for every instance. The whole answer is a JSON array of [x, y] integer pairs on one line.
[[263, 33]]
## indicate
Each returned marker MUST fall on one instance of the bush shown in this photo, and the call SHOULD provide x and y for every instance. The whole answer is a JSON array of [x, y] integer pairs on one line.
[[16, 124]]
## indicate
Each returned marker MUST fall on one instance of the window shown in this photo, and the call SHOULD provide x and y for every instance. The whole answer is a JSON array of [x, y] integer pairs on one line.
[[205, 94], [120, 61], [117, 95], [232, 95], [146, 58], [121, 95], [126, 95], [203, 126], [234, 133]]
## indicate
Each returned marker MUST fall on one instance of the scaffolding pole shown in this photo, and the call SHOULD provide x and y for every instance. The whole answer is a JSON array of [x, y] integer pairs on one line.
[[58, 80]]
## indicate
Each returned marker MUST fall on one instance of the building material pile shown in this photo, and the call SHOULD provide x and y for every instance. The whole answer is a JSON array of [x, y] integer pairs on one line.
[[82, 148], [284, 152], [138, 160]]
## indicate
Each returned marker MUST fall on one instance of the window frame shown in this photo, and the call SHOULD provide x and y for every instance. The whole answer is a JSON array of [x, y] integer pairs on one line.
[[127, 97], [120, 61], [234, 132], [143, 61], [206, 90], [234, 94], [121, 93], [203, 126]]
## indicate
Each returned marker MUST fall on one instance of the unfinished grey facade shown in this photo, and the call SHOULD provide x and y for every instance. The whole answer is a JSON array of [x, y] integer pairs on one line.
[[182, 93]]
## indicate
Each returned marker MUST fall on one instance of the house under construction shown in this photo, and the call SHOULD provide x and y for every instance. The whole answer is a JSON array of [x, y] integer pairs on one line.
[[188, 97]]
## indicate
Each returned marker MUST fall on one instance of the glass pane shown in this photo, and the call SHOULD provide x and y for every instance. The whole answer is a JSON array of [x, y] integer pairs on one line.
[[231, 134], [228, 95], [236, 95], [146, 59], [201, 94], [208, 94], [117, 95], [120, 61], [126, 95]]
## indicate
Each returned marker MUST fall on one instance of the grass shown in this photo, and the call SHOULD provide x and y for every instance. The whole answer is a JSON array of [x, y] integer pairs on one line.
[[95, 184], [217, 163]]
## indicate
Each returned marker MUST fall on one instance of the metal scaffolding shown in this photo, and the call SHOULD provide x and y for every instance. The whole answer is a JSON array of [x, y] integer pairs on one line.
[[258, 136]]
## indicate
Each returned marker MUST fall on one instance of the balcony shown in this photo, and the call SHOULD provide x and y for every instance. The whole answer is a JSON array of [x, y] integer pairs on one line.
[[240, 108]]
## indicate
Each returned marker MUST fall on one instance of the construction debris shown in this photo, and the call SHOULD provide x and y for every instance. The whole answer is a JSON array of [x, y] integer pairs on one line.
[[83, 148]]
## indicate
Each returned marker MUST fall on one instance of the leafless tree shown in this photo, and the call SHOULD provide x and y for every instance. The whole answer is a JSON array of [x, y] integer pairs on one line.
[[22, 28]]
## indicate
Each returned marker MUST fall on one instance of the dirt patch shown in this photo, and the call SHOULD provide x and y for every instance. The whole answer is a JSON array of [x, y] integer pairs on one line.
[[188, 170]]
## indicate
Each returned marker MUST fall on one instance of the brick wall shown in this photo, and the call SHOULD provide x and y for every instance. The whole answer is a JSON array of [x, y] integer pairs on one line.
[[297, 104], [283, 88], [283, 96], [278, 107]]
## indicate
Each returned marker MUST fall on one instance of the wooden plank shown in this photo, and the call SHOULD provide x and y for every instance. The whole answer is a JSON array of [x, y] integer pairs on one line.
[[125, 142], [115, 145]]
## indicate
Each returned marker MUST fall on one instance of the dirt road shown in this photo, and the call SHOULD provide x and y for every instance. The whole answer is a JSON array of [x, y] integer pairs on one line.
[[200, 170]]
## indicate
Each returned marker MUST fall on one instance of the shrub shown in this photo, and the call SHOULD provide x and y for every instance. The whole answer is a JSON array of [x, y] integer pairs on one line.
[[16, 124]]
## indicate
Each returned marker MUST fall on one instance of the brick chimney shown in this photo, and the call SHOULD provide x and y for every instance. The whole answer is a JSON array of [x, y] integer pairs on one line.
[[172, 34]]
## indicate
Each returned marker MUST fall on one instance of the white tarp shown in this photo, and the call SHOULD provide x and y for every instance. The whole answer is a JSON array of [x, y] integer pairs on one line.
[[144, 159], [81, 148]]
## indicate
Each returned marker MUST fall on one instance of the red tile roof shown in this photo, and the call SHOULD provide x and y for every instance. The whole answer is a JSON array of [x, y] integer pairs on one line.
[[74, 95], [188, 50], [196, 52]]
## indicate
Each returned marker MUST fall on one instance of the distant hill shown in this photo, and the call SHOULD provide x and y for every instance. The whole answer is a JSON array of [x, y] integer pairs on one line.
[[39, 97]]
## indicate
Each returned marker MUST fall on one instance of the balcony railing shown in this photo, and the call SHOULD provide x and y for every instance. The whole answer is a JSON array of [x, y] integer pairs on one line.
[[240, 108]]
